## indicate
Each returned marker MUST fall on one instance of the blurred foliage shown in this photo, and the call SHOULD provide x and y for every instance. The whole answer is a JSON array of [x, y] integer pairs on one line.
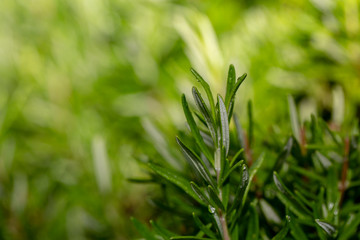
[[79, 79]]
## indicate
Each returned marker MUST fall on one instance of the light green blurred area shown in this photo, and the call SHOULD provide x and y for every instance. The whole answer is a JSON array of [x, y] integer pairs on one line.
[[80, 79]]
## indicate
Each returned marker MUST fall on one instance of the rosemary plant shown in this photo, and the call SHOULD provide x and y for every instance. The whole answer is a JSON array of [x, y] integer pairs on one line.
[[301, 186]]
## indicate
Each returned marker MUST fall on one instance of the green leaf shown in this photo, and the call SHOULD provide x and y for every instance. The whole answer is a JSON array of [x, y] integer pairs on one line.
[[329, 229], [238, 164], [253, 226], [241, 188], [174, 178], [218, 224], [198, 164], [282, 234], [230, 83], [206, 87], [234, 90], [350, 227], [233, 160], [199, 193], [164, 233], [289, 199], [295, 126], [253, 169], [143, 230], [195, 130], [203, 228], [224, 125], [214, 198], [206, 113], [296, 230]]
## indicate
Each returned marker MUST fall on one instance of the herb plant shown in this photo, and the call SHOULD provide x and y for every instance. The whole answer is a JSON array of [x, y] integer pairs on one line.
[[299, 185]]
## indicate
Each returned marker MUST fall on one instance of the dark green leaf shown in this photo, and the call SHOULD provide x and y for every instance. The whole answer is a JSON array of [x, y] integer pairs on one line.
[[253, 170], [206, 87], [164, 233], [205, 112], [238, 164], [350, 227], [198, 164], [203, 228], [253, 226], [214, 198], [296, 230], [174, 178], [230, 83], [234, 89], [289, 199], [195, 130], [284, 231], [143, 230], [200, 193]]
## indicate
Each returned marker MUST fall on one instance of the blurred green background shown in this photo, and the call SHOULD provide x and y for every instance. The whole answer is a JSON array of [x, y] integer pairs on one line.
[[86, 86]]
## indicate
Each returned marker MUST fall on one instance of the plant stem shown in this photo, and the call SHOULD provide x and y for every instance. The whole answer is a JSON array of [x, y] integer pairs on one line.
[[224, 226]]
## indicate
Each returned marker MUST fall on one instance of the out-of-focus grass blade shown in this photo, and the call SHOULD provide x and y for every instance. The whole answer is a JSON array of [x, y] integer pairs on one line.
[[253, 226], [269, 212], [310, 174], [251, 124], [284, 231], [334, 137], [174, 178], [350, 227], [203, 228], [197, 163], [295, 125], [206, 113], [239, 132], [224, 124], [195, 130], [230, 83], [143, 230], [206, 87], [328, 228], [284, 154]]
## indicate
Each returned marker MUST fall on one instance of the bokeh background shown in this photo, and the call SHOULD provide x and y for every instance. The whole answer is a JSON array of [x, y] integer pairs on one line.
[[86, 87]]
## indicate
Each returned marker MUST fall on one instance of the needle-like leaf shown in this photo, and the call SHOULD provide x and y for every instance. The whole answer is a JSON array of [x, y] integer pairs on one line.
[[195, 130]]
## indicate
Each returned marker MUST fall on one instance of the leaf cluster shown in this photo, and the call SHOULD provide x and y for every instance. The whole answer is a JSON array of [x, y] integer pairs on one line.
[[302, 185]]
